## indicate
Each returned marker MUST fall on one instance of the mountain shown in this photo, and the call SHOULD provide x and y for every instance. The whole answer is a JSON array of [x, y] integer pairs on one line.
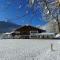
[[7, 26]]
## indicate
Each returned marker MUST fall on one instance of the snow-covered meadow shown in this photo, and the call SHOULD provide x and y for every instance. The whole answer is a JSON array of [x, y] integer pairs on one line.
[[24, 49]]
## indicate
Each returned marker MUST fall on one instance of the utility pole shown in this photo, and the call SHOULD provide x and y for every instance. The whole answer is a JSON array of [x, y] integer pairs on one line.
[[57, 17], [58, 23]]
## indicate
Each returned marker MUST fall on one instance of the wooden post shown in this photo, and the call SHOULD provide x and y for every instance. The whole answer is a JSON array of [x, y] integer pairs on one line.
[[52, 47]]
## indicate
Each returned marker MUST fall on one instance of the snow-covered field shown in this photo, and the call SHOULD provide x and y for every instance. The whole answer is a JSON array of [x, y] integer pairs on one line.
[[19, 49]]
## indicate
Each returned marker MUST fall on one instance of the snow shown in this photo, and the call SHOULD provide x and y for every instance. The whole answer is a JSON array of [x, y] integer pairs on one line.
[[58, 36], [24, 49]]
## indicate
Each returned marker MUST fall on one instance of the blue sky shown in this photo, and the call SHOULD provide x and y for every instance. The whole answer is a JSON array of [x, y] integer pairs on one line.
[[17, 11]]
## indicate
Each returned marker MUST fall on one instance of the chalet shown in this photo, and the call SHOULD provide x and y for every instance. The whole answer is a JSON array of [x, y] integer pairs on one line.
[[25, 32]]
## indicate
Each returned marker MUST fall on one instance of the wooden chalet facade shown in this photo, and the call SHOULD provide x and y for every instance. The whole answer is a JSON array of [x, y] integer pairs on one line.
[[25, 31]]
